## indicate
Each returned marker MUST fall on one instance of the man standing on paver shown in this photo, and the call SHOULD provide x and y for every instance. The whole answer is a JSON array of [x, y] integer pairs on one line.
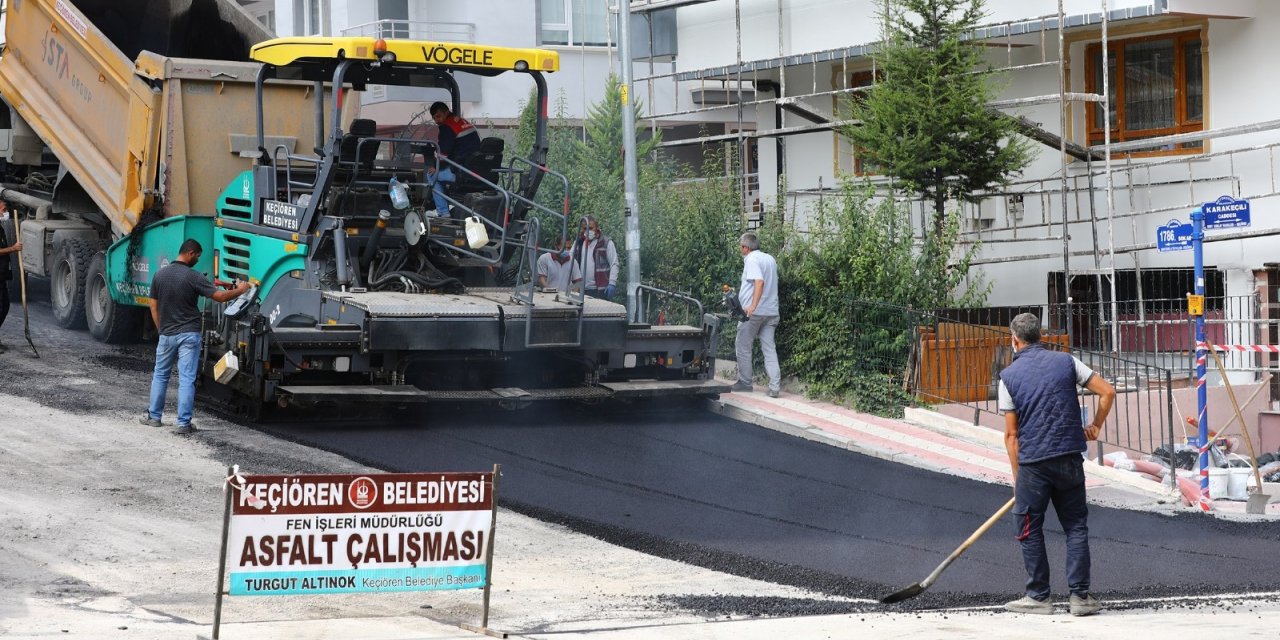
[[758, 294], [175, 290], [1044, 437]]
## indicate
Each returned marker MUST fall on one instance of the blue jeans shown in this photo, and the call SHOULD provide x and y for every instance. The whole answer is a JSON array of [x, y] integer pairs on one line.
[[445, 174], [185, 348], [1058, 480]]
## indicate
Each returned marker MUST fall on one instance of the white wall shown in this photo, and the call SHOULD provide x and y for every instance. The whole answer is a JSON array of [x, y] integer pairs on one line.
[[580, 81], [706, 31], [1236, 50]]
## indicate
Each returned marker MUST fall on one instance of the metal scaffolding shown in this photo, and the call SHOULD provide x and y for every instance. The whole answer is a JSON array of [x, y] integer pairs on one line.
[[798, 111]]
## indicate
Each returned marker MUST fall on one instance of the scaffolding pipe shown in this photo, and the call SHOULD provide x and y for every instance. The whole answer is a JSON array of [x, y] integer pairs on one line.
[[1064, 97], [1141, 246], [1106, 159], [1062, 138], [742, 147], [788, 131]]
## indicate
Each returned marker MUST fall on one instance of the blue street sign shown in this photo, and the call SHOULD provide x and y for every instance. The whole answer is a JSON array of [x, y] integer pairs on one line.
[[1226, 213], [1174, 236]]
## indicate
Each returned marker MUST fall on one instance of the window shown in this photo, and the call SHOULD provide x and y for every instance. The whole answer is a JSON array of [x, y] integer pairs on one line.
[[1160, 91], [393, 19], [268, 20], [858, 80], [311, 17], [574, 22]]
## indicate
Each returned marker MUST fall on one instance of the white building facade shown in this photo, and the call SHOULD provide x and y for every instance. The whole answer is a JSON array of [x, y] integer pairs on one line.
[[583, 32], [1194, 68]]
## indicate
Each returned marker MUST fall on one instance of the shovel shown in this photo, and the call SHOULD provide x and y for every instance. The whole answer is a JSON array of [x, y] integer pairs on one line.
[[918, 588], [1257, 500], [22, 281]]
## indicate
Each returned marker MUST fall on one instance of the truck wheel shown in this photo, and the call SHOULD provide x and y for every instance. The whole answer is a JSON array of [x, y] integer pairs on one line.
[[66, 282], [108, 321]]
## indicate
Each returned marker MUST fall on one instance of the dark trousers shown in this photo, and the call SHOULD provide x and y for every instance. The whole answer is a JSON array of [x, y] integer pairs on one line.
[[1058, 480], [4, 299]]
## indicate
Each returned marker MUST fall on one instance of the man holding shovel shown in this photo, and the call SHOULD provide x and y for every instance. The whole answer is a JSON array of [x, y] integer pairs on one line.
[[1044, 438], [6, 274]]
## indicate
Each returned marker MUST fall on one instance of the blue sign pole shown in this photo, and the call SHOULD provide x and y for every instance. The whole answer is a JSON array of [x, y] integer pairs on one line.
[[1197, 243]]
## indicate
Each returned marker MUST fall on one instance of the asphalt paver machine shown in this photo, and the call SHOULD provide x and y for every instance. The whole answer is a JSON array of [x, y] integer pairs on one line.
[[362, 292]]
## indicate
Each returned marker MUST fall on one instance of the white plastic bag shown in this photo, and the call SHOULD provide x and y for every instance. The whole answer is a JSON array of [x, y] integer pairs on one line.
[[477, 236]]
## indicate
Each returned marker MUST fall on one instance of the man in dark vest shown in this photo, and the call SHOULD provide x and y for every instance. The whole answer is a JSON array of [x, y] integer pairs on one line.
[[1045, 438], [598, 257]]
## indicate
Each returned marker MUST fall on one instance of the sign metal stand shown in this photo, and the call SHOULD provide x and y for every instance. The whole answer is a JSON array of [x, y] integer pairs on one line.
[[488, 565]]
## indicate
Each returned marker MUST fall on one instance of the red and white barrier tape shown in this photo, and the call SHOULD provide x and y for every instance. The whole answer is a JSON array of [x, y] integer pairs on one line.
[[1256, 348]]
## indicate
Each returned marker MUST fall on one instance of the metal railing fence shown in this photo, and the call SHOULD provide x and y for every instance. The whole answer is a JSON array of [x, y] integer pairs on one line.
[[955, 366]]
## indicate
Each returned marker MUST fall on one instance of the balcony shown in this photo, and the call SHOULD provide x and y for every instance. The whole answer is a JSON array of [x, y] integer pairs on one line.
[[469, 87], [409, 30]]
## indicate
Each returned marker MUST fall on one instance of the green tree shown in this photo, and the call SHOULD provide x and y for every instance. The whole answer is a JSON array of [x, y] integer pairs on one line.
[[561, 151], [860, 247], [690, 226], [926, 122], [598, 163]]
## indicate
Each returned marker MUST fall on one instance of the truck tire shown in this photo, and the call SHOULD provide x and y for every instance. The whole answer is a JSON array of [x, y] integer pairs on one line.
[[66, 282], [108, 321]]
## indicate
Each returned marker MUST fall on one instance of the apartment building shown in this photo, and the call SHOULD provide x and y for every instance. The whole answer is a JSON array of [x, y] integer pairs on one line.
[[1188, 68]]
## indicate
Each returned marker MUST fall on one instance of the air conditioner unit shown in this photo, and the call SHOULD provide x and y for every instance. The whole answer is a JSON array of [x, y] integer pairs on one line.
[[707, 97]]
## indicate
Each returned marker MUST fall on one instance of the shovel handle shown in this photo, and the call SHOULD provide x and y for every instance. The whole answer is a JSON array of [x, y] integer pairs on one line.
[[1257, 474], [969, 541]]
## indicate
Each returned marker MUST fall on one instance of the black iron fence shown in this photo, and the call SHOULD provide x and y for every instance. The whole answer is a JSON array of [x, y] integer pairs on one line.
[[1162, 333], [954, 366]]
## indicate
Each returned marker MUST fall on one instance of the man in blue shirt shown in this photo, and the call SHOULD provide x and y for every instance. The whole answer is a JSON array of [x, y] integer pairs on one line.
[[1044, 438]]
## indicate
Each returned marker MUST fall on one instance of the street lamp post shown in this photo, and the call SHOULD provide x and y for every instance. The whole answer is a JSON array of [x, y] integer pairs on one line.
[[630, 209]]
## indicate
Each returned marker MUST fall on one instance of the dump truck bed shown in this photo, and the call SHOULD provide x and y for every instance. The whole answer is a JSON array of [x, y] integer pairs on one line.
[[129, 95]]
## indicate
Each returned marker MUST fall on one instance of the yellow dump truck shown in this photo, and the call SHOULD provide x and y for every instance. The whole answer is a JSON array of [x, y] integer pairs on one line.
[[120, 113], [373, 280]]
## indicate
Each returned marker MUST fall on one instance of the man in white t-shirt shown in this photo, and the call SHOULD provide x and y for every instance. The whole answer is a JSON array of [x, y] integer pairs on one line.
[[758, 294], [557, 269]]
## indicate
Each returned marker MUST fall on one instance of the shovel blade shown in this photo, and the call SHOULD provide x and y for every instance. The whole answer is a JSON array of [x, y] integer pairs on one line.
[[902, 594], [1257, 503]]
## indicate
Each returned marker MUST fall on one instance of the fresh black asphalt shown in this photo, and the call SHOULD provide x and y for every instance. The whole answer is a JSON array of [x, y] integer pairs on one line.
[[678, 481]]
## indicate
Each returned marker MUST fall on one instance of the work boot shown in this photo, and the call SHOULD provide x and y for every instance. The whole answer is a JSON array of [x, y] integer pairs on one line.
[[147, 420], [742, 386], [184, 429], [1085, 606], [1027, 604], [773, 393]]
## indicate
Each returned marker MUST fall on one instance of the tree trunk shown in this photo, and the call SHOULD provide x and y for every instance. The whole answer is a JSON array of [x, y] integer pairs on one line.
[[939, 203]]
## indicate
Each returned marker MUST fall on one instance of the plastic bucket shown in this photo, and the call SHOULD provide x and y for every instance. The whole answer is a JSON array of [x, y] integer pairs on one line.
[[1238, 483], [1218, 479]]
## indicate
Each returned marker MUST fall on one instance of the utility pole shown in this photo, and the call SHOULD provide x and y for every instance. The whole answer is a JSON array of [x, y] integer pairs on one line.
[[630, 210]]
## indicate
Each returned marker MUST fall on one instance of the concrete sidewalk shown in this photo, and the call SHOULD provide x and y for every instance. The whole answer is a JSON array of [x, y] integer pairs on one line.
[[933, 441], [1191, 619]]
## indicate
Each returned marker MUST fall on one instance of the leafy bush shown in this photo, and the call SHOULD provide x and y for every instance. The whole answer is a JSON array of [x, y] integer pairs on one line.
[[859, 247]]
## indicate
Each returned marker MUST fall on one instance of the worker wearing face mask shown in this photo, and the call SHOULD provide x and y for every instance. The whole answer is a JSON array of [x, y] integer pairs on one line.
[[598, 257], [557, 269]]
